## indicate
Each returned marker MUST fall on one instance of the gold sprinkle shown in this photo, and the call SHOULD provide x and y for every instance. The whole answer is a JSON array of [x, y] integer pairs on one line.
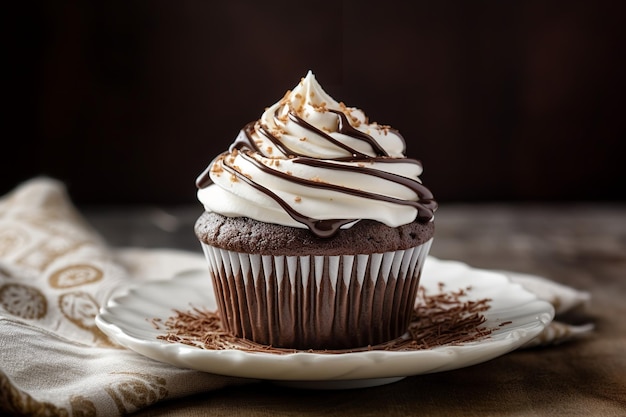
[[320, 107], [297, 199], [277, 132]]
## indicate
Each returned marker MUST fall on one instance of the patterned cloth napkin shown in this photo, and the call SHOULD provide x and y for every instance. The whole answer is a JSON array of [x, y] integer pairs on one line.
[[55, 274]]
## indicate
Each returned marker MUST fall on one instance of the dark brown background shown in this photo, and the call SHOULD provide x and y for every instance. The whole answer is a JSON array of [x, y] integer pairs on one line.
[[503, 100]]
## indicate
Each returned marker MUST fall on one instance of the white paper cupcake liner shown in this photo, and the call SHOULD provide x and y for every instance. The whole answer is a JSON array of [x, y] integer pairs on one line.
[[316, 302]]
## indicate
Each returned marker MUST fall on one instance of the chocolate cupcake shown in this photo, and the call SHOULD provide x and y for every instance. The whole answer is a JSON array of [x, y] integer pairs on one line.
[[316, 226]]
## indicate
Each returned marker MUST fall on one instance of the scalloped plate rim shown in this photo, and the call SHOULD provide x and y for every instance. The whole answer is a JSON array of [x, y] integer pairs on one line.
[[530, 318]]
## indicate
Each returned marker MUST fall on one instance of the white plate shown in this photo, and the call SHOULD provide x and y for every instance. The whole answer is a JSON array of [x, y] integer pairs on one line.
[[127, 320]]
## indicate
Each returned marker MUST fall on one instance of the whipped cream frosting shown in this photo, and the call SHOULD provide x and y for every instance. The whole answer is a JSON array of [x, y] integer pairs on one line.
[[310, 161]]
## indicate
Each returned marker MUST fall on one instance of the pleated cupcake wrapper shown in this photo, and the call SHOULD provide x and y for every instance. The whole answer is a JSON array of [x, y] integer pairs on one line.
[[316, 302]]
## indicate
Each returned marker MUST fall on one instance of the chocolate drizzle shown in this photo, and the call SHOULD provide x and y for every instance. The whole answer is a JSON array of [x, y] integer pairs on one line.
[[425, 205], [321, 228], [346, 128], [349, 132], [245, 145], [244, 139]]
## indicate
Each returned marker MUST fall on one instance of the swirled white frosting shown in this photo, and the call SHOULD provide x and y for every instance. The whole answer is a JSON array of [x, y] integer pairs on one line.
[[310, 161]]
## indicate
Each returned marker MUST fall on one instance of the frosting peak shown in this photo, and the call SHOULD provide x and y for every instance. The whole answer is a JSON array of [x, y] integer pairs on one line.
[[310, 161]]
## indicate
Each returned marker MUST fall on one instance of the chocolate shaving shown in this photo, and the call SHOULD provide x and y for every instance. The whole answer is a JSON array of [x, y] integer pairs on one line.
[[445, 318]]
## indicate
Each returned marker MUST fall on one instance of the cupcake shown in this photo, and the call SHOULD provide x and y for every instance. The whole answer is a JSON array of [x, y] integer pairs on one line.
[[315, 226]]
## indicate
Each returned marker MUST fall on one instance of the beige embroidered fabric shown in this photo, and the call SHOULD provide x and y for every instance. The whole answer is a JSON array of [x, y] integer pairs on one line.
[[55, 274]]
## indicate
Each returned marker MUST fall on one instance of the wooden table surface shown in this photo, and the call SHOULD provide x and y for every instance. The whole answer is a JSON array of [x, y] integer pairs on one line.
[[581, 245]]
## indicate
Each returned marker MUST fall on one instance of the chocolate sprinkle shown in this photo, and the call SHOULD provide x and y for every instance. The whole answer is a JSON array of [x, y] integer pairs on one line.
[[445, 318]]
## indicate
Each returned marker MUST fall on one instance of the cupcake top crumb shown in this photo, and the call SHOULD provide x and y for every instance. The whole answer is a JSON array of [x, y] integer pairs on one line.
[[242, 234]]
